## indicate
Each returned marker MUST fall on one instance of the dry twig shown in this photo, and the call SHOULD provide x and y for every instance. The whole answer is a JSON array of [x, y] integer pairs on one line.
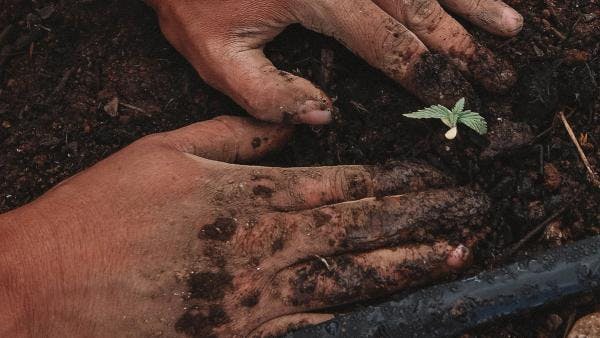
[[534, 231], [593, 177]]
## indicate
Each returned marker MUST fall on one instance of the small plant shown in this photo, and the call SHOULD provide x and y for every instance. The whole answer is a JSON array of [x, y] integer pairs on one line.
[[453, 117]]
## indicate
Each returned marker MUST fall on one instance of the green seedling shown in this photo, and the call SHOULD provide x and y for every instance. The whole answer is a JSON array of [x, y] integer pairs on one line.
[[453, 117]]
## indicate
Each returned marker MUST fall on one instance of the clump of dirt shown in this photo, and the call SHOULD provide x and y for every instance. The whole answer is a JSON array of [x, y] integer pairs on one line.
[[194, 323], [251, 300], [222, 229], [209, 285], [438, 80], [62, 62]]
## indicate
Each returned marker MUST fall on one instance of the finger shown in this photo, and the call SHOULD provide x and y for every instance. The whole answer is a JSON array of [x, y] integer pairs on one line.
[[440, 32], [228, 54], [371, 224], [492, 15], [339, 280], [267, 93], [227, 139], [305, 188], [280, 326], [388, 45]]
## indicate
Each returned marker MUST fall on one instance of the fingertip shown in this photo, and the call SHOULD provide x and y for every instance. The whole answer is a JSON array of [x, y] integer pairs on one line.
[[459, 257], [314, 112], [512, 22], [316, 117]]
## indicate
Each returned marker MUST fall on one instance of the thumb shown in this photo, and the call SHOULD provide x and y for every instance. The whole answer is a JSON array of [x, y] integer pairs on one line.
[[229, 139]]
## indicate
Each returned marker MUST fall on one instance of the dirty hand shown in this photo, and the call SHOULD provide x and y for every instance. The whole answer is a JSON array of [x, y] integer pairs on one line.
[[224, 41], [165, 237]]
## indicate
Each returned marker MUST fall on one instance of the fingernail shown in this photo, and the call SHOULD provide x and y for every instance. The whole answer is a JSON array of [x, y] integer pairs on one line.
[[316, 117], [314, 112], [512, 20], [459, 257]]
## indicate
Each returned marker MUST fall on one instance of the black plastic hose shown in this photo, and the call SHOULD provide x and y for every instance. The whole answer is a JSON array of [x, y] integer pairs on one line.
[[450, 309]]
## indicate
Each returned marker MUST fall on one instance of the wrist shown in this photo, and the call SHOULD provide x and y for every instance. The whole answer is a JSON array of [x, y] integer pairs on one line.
[[32, 273]]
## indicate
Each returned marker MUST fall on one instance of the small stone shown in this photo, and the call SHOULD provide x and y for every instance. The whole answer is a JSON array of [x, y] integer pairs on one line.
[[588, 326], [124, 119], [553, 322], [112, 107], [552, 178], [535, 210], [506, 136], [576, 56], [555, 233], [588, 17], [6, 124], [46, 12], [87, 128]]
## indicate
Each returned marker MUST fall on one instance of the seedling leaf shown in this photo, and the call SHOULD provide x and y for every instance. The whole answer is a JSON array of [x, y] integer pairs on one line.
[[459, 106], [453, 117], [433, 112], [473, 121]]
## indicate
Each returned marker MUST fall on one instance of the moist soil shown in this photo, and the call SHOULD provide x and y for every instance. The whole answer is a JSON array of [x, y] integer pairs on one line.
[[62, 62]]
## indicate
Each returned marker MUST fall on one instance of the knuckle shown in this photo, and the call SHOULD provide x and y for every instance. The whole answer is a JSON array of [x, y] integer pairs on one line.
[[353, 183], [151, 140], [471, 6], [424, 14]]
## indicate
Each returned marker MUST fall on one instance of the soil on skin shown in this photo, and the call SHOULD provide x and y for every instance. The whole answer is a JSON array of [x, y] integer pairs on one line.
[[60, 65]]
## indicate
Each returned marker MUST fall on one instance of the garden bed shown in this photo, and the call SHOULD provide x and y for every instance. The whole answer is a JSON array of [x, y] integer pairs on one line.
[[63, 64]]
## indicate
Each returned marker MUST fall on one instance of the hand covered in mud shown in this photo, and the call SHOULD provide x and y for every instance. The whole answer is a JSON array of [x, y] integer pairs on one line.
[[224, 41], [164, 237]]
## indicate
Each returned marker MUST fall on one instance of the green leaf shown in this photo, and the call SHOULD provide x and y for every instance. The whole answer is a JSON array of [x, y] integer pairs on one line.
[[433, 112], [474, 121], [459, 106], [452, 117]]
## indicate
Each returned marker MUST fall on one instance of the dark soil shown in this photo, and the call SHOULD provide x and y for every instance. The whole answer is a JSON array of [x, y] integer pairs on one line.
[[60, 66]]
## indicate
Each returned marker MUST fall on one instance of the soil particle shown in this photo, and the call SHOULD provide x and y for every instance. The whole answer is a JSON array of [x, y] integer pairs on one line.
[[495, 75], [438, 81], [195, 323], [215, 255], [344, 281], [262, 191], [256, 142], [402, 177], [588, 326], [209, 285], [552, 177], [277, 245], [321, 218], [221, 230], [535, 211], [554, 233], [505, 136], [412, 270], [289, 118], [251, 300]]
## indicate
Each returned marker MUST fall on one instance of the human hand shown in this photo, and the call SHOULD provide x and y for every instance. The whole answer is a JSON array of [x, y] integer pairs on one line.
[[224, 41], [162, 238]]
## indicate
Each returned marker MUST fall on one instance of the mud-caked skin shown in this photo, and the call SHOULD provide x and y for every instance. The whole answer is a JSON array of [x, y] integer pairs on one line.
[[224, 40], [165, 238]]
